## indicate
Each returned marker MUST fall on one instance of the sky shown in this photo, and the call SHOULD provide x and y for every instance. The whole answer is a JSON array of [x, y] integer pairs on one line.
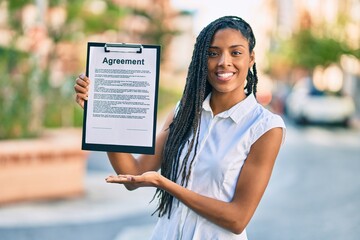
[[209, 10]]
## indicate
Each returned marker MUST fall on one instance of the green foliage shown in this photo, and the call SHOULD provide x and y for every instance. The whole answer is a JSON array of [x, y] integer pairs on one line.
[[60, 108], [15, 97], [167, 98], [17, 4], [29, 99], [158, 33], [306, 50], [80, 18]]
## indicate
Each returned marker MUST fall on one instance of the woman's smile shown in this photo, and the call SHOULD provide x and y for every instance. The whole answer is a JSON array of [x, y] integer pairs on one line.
[[224, 76]]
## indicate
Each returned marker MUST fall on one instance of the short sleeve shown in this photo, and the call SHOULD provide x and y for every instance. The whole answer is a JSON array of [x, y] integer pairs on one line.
[[269, 122]]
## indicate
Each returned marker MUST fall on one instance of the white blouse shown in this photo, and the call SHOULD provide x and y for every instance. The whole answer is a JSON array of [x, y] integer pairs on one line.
[[224, 143]]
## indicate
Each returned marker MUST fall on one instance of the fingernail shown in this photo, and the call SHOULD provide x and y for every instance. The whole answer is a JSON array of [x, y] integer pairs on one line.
[[82, 76]]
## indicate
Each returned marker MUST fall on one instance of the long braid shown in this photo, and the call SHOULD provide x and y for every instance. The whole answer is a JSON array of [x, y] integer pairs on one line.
[[255, 77], [249, 83], [184, 130], [252, 81]]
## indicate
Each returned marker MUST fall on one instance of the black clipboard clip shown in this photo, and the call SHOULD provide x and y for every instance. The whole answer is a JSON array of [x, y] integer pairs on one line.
[[123, 47]]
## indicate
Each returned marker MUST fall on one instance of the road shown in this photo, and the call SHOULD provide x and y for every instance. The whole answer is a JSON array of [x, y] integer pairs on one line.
[[314, 193]]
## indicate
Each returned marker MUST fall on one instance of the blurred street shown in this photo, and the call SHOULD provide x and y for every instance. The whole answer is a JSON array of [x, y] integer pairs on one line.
[[314, 193]]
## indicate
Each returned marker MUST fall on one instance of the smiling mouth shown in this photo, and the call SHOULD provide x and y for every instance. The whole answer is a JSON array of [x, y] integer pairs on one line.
[[224, 76]]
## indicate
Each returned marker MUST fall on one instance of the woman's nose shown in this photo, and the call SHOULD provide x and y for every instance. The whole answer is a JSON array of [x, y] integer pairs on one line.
[[224, 60]]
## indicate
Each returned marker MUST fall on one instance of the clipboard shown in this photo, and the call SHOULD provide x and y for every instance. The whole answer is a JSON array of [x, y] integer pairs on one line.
[[121, 111]]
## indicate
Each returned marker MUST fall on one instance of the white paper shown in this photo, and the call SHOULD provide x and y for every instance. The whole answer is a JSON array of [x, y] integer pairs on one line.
[[120, 108]]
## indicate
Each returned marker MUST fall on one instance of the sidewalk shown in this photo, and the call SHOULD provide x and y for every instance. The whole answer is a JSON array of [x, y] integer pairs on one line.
[[315, 179], [106, 211]]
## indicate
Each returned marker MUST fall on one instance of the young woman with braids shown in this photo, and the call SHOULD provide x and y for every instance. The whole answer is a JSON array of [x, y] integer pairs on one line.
[[217, 148]]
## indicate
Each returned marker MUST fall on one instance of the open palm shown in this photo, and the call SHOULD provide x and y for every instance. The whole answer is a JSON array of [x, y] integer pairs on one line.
[[147, 179]]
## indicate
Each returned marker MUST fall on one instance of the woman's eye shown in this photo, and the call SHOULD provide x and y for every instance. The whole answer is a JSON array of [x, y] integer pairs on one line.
[[236, 53], [212, 54]]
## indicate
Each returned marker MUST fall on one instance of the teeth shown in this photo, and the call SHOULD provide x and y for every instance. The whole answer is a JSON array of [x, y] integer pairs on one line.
[[225, 75]]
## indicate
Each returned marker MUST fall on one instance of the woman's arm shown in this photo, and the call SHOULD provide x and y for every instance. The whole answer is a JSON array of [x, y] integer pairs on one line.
[[125, 163], [251, 185]]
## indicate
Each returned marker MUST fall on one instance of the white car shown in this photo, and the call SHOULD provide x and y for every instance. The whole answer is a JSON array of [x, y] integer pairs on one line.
[[308, 105]]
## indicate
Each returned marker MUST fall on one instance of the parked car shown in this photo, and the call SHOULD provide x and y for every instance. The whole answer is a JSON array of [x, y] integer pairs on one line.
[[306, 104]]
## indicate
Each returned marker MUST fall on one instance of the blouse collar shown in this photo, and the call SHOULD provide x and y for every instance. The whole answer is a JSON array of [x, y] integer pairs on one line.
[[237, 111]]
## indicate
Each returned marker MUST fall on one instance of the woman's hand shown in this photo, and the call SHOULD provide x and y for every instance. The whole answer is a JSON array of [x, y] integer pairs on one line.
[[81, 88], [147, 179]]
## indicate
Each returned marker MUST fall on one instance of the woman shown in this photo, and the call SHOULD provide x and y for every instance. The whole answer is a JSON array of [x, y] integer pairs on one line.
[[217, 148]]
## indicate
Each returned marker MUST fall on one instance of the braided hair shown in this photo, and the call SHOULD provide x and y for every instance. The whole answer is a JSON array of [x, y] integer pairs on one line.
[[185, 126]]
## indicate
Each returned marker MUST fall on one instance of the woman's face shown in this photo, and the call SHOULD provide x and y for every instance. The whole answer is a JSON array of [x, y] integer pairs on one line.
[[228, 62]]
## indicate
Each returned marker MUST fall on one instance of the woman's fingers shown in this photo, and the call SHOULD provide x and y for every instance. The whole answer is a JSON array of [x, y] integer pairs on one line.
[[120, 179], [80, 100], [81, 85], [81, 92], [81, 88], [147, 179]]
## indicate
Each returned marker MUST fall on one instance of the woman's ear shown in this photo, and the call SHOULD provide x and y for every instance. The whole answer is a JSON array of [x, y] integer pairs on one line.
[[252, 59]]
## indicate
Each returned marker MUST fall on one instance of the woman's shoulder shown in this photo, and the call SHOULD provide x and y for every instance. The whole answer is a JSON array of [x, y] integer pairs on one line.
[[265, 115], [266, 120]]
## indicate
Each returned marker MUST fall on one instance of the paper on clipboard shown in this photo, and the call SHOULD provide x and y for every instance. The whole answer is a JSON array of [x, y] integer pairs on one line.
[[120, 114]]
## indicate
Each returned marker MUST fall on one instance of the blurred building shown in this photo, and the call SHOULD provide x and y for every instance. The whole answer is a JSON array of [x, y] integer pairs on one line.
[[336, 18], [173, 29]]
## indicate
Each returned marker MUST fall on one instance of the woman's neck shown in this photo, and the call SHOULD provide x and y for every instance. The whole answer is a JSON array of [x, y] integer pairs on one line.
[[221, 102]]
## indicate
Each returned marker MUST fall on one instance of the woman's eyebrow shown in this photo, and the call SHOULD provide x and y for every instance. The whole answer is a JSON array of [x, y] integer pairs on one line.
[[232, 46]]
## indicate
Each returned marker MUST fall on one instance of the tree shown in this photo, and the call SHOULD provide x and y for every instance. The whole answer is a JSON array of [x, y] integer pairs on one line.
[[37, 80], [306, 50]]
